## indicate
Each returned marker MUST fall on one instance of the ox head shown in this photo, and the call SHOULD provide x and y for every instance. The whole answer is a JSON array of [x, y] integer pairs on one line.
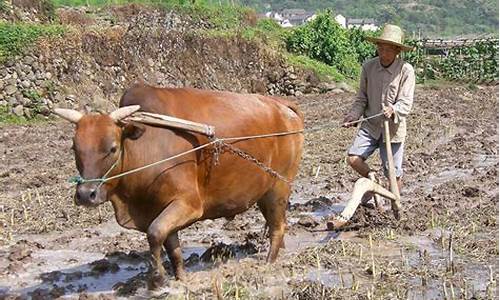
[[97, 146]]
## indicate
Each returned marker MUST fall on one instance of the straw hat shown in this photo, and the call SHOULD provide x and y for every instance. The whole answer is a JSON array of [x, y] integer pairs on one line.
[[391, 34]]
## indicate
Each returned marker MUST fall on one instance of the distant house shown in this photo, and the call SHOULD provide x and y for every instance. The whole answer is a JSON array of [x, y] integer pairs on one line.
[[285, 23], [296, 16], [291, 17], [287, 13], [363, 24], [341, 20], [274, 15]]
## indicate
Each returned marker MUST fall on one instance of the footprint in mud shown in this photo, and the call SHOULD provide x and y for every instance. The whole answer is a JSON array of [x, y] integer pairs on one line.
[[131, 257], [223, 252], [320, 203], [102, 266], [469, 191], [41, 293], [20, 254]]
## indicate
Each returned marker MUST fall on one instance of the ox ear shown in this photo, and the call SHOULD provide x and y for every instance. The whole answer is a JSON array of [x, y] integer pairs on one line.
[[133, 130], [124, 112], [68, 114]]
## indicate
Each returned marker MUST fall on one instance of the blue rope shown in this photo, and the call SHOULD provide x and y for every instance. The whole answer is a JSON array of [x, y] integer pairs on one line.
[[102, 180]]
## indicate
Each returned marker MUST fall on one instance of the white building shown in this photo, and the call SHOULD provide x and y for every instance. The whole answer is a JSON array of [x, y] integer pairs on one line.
[[341, 20], [363, 24]]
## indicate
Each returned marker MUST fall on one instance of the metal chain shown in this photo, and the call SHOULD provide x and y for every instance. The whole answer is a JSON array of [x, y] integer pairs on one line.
[[251, 158], [219, 144]]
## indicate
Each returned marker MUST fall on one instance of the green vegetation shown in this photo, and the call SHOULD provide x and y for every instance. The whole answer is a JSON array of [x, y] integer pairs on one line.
[[432, 18], [320, 45], [266, 30], [220, 15], [14, 37], [36, 100], [3, 6], [363, 48], [324, 40], [322, 70], [474, 63], [8, 118]]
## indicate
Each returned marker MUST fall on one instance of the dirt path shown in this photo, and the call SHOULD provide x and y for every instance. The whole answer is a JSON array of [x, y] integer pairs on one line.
[[51, 248]]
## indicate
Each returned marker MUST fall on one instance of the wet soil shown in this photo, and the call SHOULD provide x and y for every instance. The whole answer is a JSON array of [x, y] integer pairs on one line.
[[444, 246]]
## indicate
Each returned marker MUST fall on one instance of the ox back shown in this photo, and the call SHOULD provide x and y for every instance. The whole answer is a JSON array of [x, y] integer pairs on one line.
[[224, 189]]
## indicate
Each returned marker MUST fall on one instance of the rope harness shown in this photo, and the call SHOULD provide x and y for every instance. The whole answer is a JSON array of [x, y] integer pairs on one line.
[[220, 144]]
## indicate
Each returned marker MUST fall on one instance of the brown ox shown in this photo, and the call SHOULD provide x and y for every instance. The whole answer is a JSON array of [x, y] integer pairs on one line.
[[163, 199]]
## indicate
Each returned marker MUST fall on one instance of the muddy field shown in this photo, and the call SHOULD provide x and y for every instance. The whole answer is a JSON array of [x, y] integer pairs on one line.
[[445, 245]]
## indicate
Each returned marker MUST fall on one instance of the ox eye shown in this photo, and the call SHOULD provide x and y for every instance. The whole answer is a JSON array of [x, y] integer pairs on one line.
[[113, 149]]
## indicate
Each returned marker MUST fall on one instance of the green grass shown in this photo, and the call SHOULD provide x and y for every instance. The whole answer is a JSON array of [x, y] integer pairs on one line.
[[322, 70], [227, 21], [3, 6], [99, 2], [15, 37], [8, 118], [267, 31], [119, 2], [436, 84], [220, 14]]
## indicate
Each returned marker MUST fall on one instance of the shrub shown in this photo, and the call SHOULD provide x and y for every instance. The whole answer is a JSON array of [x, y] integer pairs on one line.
[[323, 39], [46, 8], [16, 37], [472, 62], [363, 48], [3, 6]]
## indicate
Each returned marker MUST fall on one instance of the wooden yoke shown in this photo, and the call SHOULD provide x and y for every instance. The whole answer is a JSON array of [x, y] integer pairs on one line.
[[168, 121]]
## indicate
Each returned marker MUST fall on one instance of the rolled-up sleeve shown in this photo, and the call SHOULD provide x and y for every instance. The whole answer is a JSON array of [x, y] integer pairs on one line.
[[361, 101], [404, 103]]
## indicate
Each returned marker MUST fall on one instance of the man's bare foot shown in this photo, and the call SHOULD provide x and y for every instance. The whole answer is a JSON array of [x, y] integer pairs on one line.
[[335, 223]]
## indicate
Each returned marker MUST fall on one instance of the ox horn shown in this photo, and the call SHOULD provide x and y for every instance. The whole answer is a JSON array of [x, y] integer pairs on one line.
[[124, 112], [68, 114]]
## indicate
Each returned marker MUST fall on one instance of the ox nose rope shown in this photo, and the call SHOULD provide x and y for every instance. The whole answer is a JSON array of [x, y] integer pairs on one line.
[[102, 180], [220, 143]]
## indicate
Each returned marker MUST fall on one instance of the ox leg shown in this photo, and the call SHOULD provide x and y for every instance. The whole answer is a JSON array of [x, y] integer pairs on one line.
[[174, 217], [174, 253], [273, 207]]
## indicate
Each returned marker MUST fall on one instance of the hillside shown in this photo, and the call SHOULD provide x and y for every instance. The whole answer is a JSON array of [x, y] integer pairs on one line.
[[434, 18], [90, 55]]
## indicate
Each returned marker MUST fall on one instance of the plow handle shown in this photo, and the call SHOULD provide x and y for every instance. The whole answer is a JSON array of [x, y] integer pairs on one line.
[[395, 204]]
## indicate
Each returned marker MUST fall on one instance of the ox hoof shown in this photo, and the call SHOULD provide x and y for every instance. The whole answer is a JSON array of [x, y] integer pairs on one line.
[[181, 275], [156, 280]]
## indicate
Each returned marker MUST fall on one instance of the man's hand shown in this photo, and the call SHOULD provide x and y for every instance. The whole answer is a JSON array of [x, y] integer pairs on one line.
[[388, 111], [348, 119]]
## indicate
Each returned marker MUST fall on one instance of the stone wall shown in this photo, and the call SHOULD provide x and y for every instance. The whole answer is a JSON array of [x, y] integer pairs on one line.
[[92, 65]]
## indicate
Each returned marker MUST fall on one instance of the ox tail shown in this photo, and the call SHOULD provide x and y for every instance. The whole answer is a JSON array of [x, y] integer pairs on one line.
[[291, 105]]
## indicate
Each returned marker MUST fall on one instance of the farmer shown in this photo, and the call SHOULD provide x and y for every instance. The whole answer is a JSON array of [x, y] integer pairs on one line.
[[386, 89]]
